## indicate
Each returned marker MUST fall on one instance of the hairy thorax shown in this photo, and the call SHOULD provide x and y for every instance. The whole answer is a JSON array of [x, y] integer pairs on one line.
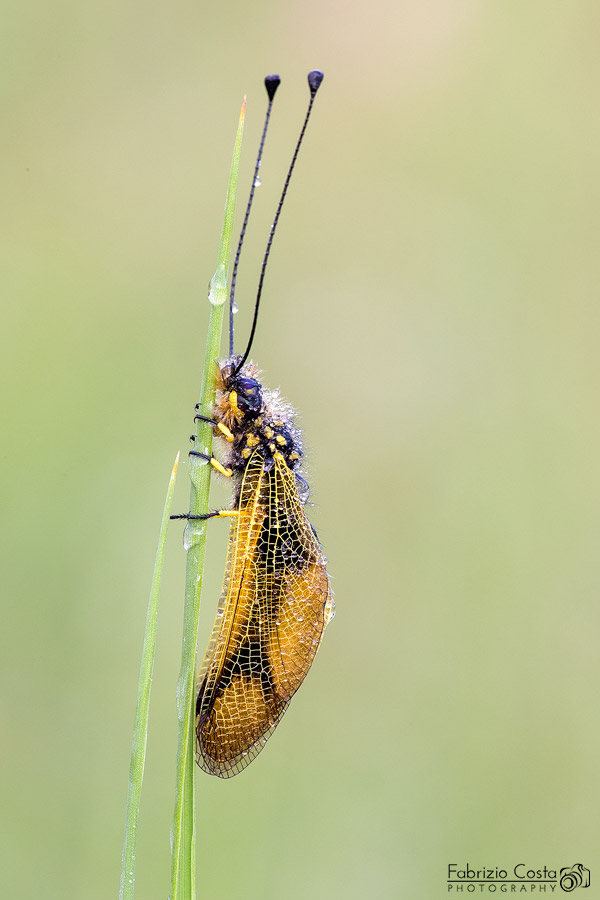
[[258, 419]]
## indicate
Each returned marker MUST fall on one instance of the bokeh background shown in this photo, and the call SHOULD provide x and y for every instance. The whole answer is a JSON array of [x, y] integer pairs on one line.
[[432, 310]]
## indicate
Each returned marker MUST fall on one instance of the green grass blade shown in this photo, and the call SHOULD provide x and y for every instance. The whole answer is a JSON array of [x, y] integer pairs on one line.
[[140, 728], [183, 831]]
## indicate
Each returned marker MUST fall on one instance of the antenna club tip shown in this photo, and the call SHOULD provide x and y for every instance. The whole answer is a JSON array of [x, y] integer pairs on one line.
[[272, 82], [315, 77], [243, 112]]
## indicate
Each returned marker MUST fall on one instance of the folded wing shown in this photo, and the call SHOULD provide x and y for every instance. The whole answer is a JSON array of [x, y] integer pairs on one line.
[[275, 604]]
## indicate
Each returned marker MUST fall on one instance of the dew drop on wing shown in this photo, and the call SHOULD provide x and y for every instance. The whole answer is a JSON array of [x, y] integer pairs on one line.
[[303, 490], [234, 308], [257, 181]]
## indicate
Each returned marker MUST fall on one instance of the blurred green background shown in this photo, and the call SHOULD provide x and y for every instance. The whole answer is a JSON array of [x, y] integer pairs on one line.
[[432, 310]]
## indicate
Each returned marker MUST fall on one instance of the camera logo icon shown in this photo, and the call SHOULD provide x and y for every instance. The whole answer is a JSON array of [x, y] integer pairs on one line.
[[574, 877]]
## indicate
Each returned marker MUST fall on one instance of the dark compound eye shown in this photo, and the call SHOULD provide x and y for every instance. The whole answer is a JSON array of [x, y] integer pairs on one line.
[[249, 394], [247, 385]]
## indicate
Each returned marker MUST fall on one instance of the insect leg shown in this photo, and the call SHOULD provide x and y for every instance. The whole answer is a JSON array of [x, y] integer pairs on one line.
[[221, 513], [218, 513], [214, 463], [197, 406], [222, 428]]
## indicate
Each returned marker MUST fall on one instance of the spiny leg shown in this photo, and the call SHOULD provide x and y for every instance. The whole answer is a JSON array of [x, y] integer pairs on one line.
[[222, 428], [214, 463], [217, 513], [220, 513]]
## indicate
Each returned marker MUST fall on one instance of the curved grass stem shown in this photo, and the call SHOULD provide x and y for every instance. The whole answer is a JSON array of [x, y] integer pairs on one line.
[[183, 831]]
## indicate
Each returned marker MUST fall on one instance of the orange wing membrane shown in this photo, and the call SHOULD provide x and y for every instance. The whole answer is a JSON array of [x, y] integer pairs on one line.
[[276, 598]]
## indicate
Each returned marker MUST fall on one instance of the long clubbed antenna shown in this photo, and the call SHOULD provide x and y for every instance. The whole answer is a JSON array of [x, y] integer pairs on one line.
[[314, 81], [272, 82]]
